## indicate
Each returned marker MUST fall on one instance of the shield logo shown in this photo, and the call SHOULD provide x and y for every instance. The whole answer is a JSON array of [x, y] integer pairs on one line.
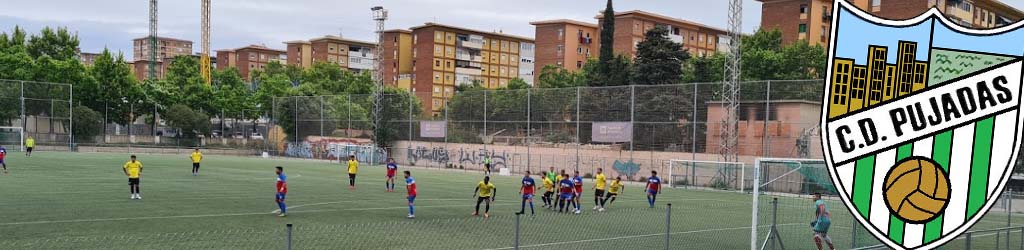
[[921, 122]]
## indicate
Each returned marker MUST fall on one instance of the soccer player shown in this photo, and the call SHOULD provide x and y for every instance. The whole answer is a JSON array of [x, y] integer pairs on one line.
[[410, 185], [282, 191], [196, 157], [133, 169], [389, 181], [549, 189], [3, 153], [487, 165], [30, 143], [552, 175], [599, 183], [527, 190], [353, 168], [822, 220], [577, 182], [653, 188], [487, 192], [613, 191], [566, 193]]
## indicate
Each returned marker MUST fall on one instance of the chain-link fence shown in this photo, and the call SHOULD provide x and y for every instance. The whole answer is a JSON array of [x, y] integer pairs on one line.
[[42, 111], [629, 129]]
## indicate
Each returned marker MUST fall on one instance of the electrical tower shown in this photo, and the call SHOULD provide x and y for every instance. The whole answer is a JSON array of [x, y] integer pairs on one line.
[[152, 39], [731, 83], [379, 15], [204, 61]]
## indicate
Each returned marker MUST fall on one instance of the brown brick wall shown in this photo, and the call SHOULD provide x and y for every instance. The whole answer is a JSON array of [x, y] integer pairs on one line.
[[784, 16], [546, 49], [423, 48], [903, 9]]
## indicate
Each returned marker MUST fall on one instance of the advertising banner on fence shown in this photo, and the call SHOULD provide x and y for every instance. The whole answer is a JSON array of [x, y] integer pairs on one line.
[[433, 129], [612, 132]]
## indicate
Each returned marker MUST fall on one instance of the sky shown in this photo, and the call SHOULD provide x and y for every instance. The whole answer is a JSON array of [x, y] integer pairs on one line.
[[236, 23]]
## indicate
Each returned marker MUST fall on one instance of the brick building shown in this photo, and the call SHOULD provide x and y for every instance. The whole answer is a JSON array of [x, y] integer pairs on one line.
[[352, 55], [87, 59], [443, 56], [248, 59], [167, 48], [566, 43], [811, 20]]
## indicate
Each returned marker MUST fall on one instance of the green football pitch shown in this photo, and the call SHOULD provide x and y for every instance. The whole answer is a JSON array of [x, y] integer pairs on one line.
[[57, 200]]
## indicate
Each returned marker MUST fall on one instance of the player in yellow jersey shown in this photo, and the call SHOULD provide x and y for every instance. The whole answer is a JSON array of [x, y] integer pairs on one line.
[[30, 144], [485, 192], [353, 169], [196, 158], [549, 189], [599, 186], [133, 169], [613, 190]]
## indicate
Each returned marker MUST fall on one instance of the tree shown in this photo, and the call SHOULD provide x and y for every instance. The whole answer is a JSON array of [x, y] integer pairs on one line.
[[399, 105], [87, 124], [190, 122], [659, 61], [517, 83], [607, 50], [112, 85], [552, 76], [609, 70], [58, 45]]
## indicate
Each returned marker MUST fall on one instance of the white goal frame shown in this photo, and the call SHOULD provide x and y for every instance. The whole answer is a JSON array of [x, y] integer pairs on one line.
[[21, 136], [344, 158], [757, 189], [674, 162]]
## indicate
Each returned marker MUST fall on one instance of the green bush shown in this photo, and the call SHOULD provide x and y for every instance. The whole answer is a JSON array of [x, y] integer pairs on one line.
[[87, 124]]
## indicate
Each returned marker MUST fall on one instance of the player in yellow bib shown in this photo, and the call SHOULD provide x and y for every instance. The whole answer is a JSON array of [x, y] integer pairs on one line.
[[353, 169], [133, 169], [599, 185], [613, 191], [485, 192], [549, 189], [30, 144], [196, 158]]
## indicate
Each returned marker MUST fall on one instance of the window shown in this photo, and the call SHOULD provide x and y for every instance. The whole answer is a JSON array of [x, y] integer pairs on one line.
[[437, 89], [561, 34], [876, 3], [579, 64], [803, 9], [803, 28], [579, 50]]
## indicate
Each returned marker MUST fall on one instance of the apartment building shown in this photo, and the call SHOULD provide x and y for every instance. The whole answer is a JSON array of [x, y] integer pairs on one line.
[[249, 59], [397, 61], [87, 59], [352, 55], [811, 20], [167, 48], [566, 43], [443, 56]]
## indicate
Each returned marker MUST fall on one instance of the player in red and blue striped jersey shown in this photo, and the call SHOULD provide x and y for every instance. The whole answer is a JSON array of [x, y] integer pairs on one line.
[[653, 188], [282, 190], [529, 186], [577, 182], [3, 154], [389, 182], [566, 193], [410, 186]]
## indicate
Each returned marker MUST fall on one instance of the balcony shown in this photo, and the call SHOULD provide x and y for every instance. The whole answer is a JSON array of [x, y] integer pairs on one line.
[[468, 57], [586, 40], [676, 38], [479, 44], [467, 71]]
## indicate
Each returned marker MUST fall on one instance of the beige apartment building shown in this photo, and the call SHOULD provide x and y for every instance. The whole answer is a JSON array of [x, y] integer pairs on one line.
[[248, 59], [352, 55]]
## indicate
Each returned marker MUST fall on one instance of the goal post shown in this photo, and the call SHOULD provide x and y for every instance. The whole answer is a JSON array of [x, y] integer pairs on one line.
[[708, 174], [780, 188], [13, 137], [369, 154]]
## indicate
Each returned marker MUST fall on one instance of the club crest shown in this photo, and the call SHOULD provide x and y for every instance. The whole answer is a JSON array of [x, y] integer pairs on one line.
[[921, 122]]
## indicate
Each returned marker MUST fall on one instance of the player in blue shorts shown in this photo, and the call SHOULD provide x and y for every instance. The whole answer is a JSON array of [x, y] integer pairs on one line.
[[653, 188], [566, 194], [529, 186], [282, 190], [410, 186], [821, 223], [3, 154]]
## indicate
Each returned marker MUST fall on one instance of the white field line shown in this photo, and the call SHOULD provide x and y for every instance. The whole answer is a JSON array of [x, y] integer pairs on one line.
[[633, 236]]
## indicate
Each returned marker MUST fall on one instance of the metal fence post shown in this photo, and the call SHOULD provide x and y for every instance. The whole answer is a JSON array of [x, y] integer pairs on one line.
[[775, 214], [668, 226], [485, 125], [528, 128], [321, 116], [515, 242], [767, 114], [693, 118], [348, 126], [71, 118], [289, 239], [967, 240], [632, 114], [853, 240], [578, 118]]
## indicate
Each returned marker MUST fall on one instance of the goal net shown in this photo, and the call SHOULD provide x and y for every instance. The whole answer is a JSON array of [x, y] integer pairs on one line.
[[366, 154], [12, 138], [782, 207], [708, 174]]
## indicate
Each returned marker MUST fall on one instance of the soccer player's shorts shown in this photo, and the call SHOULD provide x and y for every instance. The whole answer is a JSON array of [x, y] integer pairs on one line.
[[411, 198], [390, 175], [29, 149], [548, 193], [527, 196], [598, 192], [822, 225], [566, 196], [195, 165], [133, 181], [610, 195], [279, 196], [579, 190], [481, 199], [1, 161]]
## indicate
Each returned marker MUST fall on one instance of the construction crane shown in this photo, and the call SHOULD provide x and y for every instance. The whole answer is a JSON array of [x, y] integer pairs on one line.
[[204, 61], [152, 39]]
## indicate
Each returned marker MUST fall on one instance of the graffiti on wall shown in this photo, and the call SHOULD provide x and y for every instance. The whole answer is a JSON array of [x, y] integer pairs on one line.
[[328, 148], [627, 168], [442, 156]]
